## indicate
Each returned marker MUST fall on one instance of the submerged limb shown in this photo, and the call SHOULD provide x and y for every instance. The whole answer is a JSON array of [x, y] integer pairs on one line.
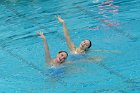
[[91, 59], [109, 51], [95, 59]]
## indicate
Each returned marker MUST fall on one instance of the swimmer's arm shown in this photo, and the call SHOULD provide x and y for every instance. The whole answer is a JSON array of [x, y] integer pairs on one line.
[[47, 53], [69, 42], [68, 39]]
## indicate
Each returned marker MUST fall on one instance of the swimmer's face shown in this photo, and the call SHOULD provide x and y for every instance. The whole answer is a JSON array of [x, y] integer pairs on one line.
[[61, 57], [85, 44]]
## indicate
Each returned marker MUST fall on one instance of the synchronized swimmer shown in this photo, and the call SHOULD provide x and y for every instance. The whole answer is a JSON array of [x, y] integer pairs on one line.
[[61, 56], [84, 45]]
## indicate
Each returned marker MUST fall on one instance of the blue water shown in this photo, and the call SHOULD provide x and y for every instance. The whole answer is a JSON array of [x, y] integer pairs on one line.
[[110, 25]]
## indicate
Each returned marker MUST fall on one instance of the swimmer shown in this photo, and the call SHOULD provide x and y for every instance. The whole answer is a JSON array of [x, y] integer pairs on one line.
[[84, 45], [61, 56]]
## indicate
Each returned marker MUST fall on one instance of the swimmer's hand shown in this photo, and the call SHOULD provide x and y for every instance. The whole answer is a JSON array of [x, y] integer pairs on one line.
[[41, 35], [60, 19]]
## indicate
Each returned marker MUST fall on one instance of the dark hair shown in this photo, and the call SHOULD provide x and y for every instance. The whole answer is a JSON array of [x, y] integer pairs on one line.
[[90, 44], [63, 51]]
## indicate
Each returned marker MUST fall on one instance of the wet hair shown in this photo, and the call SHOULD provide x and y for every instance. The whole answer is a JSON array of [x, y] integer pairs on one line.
[[63, 51], [90, 44]]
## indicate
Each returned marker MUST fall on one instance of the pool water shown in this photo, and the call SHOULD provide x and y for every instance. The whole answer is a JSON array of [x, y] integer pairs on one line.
[[111, 25]]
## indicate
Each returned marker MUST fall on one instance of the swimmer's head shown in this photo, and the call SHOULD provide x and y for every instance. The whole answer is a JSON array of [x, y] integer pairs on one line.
[[61, 56], [86, 44]]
